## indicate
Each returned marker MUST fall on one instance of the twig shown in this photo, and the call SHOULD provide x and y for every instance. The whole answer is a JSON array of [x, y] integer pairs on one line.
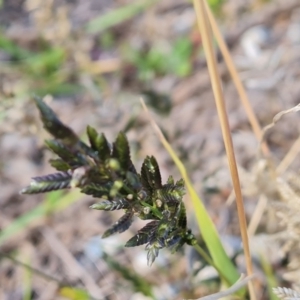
[[220, 103], [289, 157], [234, 288], [277, 117]]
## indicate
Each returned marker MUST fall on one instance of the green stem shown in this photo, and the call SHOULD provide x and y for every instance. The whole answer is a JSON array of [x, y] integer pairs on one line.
[[155, 211], [207, 258]]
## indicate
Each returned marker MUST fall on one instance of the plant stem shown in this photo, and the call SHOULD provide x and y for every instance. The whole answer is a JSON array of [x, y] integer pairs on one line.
[[220, 103], [207, 258], [155, 211], [237, 80]]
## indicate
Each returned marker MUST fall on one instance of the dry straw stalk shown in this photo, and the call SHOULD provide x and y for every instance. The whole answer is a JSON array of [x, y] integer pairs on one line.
[[237, 81], [204, 27]]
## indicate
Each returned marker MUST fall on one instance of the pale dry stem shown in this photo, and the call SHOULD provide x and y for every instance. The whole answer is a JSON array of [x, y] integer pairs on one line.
[[236, 79], [220, 103]]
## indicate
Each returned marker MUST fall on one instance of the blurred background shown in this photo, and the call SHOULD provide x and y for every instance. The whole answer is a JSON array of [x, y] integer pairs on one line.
[[92, 61]]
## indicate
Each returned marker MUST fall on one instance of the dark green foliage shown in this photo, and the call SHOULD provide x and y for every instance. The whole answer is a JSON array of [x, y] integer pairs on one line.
[[121, 151], [111, 205], [97, 190], [143, 234], [52, 182], [99, 144], [150, 174], [53, 125], [120, 226], [59, 164], [160, 102], [65, 153], [107, 172]]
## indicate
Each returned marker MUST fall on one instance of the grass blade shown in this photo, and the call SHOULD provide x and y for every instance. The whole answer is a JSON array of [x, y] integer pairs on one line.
[[117, 16], [270, 275], [27, 283], [74, 293]]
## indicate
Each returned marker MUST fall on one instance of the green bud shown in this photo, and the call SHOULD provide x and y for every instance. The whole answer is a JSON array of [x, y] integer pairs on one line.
[[114, 164], [115, 188], [99, 206], [146, 210]]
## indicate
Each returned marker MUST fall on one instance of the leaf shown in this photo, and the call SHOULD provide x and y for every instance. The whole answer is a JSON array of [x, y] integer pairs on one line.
[[170, 180], [92, 135], [161, 103], [52, 182], [153, 251], [65, 153], [97, 190], [150, 174], [59, 164], [144, 177], [60, 149], [143, 235], [111, 205], [154, 173], [133, 180], [180, 183], [182, 222], [99, 143], [118, 15], [45, 63], [74, 293], [84, 149], [16, 52], [121, 151], [53, 125], [270, 277], [120, 226], [171, 194]]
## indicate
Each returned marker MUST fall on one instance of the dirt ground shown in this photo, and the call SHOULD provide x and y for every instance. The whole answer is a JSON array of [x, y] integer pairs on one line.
[[264, 39]]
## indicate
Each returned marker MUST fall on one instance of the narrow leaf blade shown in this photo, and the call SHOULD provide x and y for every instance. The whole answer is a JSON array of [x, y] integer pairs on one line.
[[121, 151], [120, 226], [53, 125], [52, 182]]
